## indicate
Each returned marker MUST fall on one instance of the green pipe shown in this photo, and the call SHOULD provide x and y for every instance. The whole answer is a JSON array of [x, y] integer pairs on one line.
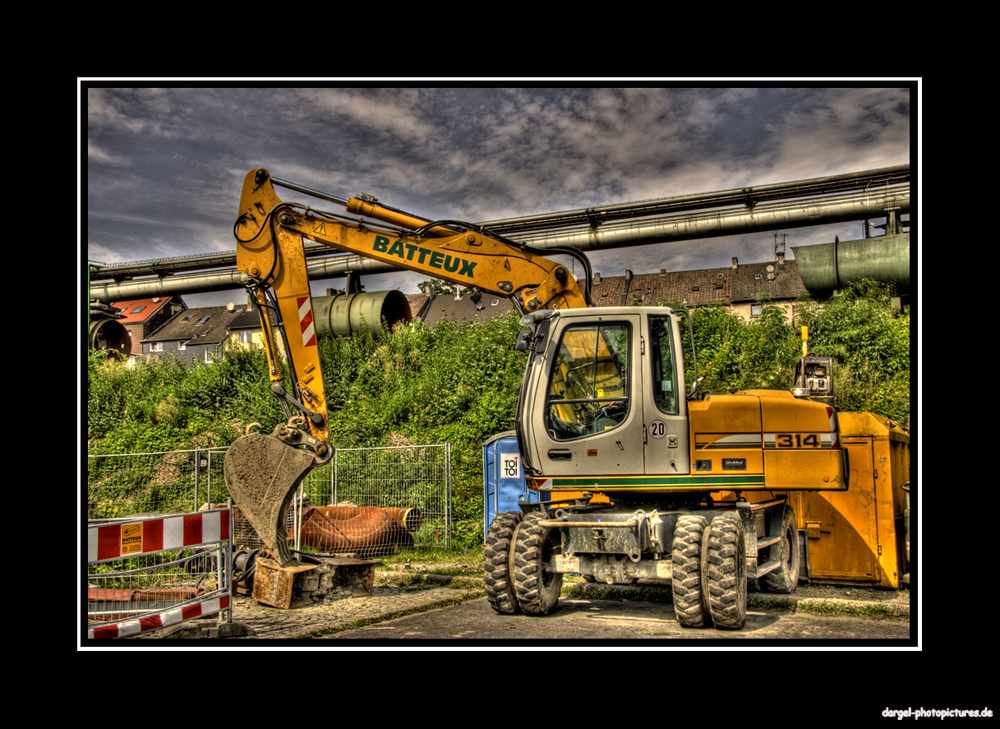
[[346, 313], [830, 266]]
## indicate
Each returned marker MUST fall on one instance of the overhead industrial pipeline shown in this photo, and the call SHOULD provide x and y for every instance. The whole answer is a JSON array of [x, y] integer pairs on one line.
[[750, 209], [110, 335]]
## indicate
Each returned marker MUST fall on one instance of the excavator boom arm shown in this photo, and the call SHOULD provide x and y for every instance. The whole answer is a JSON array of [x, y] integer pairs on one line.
[[262, 471]]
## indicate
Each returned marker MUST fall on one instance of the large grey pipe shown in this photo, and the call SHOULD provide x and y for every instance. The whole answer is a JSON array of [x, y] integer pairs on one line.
[[830, 266], [343, 314]]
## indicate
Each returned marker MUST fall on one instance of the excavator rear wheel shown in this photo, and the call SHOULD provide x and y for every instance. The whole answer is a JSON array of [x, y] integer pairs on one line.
[[537, 587], [727, 573], [498, 565], [785, 578]]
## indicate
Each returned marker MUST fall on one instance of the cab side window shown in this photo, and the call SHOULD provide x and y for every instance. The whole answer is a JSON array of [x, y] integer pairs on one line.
[[663, 360]]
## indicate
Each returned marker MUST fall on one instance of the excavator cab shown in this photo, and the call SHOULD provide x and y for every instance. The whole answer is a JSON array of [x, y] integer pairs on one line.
[[604, 394]]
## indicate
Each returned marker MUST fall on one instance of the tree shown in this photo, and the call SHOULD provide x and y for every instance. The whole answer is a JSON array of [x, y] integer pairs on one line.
[[871, 346]]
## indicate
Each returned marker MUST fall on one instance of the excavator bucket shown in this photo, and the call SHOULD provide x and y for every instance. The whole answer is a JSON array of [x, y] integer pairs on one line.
[[262, 473]]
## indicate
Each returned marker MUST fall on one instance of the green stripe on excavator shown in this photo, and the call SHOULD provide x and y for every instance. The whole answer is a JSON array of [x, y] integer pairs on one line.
[[714, 481]]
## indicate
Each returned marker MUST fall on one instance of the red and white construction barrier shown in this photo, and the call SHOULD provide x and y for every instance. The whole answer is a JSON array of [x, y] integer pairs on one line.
[[173, 616], [134, 538], [148, 536]]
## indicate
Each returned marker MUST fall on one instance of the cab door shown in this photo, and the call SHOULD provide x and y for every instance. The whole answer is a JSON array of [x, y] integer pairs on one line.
[[586, 416], [664, 407]]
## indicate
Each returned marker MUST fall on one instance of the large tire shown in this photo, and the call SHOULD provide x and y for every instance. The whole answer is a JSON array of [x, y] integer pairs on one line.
[[785, 578], [727, 573], [498, 565], [685, 582], [537, 588]]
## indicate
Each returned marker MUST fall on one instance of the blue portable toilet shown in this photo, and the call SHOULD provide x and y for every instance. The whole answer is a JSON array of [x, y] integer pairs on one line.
[[503, 477]]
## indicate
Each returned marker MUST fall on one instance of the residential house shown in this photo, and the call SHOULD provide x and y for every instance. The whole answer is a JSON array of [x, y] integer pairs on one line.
[[691, 288], [743, 288], [755, 284], [142, 317], [194, 335], [245, 330]]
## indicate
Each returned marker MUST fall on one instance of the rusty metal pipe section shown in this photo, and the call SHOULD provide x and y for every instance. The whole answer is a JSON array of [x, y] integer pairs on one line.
[[410, 519], [370, 532]]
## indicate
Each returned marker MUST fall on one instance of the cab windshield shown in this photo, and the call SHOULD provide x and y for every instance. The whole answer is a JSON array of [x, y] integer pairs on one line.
[[589, 383]]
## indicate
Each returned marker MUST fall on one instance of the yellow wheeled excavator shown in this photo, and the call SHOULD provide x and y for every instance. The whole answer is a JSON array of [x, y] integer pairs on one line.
[[645, 480]]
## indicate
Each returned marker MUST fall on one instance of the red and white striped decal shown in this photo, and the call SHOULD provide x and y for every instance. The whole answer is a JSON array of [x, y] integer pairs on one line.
[[147, 536], [207, 606], [306, 322]]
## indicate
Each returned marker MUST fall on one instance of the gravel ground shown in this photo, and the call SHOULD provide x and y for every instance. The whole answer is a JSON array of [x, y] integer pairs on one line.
[[404, 589]]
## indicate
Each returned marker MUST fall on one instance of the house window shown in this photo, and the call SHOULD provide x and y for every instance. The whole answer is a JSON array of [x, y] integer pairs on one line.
[[181, 346], [246, 337], [137, 309], [203, 320], [756, 309], [156, 346]]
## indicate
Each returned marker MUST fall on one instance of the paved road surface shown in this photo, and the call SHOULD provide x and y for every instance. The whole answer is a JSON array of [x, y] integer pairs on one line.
[[612, 621]]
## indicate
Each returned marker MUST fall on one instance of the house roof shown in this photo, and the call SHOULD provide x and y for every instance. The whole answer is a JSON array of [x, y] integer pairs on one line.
[[138, 310], [461, 308], [209, 325], [417, 303], [247, 318], [677, 287]]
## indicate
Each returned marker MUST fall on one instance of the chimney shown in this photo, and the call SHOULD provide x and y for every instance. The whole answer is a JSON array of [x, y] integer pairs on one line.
[[735, 262], [781, 259]]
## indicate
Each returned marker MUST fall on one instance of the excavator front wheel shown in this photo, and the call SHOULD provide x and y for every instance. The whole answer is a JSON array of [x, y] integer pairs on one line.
[[537, 587], [686, 580], [785, 578], [498, 566]]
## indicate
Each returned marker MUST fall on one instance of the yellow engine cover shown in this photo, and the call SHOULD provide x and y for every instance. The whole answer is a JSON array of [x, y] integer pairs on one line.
[[794, 444]]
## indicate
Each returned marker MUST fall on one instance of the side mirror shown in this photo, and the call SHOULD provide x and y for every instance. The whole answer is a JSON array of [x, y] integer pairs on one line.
[[523, 340]]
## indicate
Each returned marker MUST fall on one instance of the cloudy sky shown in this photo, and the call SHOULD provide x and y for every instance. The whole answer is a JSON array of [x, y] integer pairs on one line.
[[164, 166]]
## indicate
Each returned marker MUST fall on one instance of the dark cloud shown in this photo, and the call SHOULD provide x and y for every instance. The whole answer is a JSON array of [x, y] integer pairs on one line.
[[165, 165]]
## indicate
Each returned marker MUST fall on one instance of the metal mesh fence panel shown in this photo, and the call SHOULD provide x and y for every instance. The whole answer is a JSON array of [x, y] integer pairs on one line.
[[409, 485], [171, 482], [132, 586], [413, 483]]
